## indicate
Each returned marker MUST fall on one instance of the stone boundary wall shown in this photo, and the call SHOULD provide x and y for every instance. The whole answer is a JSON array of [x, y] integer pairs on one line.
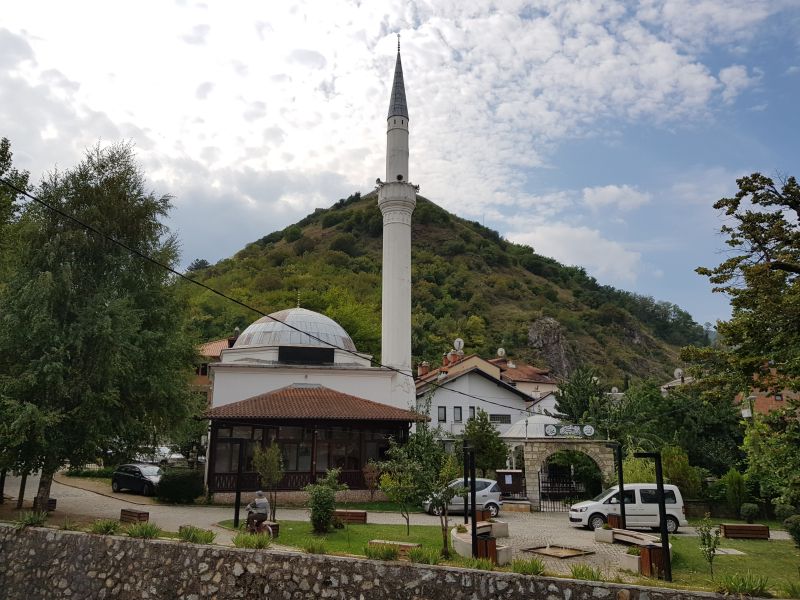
[[39, 563]]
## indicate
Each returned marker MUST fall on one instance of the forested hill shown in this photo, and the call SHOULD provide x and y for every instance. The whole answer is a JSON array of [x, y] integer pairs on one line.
[[468, 282]]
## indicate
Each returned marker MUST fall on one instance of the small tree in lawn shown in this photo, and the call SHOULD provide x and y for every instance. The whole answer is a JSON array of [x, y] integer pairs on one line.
[[268, 463], [400, 482], [443, 495], [709, 541], [372, 478], [491, 451]]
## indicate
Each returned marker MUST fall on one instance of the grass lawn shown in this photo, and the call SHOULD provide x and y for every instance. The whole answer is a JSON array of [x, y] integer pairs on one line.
[[353, 537], [377, 506], [777, 560]]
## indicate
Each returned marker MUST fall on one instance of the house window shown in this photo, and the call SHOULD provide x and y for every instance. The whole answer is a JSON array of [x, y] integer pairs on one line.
[[457, 414], [471, 412], [504, 419], [778, 397], [442, 414]]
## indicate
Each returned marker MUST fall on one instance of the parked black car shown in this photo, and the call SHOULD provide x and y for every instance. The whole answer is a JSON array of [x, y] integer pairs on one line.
[[139, 478]]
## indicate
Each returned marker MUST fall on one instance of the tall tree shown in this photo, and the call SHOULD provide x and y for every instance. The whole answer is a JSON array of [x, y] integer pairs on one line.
[[491, 451], [92, 344], [759, 347], [579, 395], [9, 208]]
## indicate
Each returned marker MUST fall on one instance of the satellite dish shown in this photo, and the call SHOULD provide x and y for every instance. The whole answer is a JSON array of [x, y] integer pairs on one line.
[[458, 344], [501, 352], [678, 373], [615, 390]]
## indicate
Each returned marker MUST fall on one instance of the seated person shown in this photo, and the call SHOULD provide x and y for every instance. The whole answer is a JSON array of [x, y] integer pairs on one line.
[[257, 510]]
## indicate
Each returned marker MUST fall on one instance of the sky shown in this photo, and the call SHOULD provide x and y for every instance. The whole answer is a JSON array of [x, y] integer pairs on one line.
[[598, 132]]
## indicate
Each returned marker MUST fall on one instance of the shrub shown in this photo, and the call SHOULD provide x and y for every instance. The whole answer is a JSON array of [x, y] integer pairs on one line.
[[461, 528], [483, 564], [530, 566], [147, 531], [381, 552], [31, 519], [784, 511], [586, 572], [735, 490], [743, 584], [749, 511], [321, 500], [69, 525], [195, 535], [103, 472], [256, 541], [709, 541], [180, 486], [792, 525], [345, 242], [634, 551], [606, 525], [105, 527], [292, 234], [315, 546], [424, 556]]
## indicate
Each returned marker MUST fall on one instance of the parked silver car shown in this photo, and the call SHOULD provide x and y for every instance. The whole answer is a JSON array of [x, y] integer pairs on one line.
[[487, 497]]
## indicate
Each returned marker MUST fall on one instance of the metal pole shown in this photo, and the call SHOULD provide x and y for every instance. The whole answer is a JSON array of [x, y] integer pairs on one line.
[[618, 457], [466, 482], [238, 503], [2, 486], [473, 500], [662, 511]]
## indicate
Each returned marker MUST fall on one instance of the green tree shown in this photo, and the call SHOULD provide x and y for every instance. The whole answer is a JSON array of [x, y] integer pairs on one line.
[[198, 264], [402, 482], [268, 463], [322, 500], [578, 396], [491, 451], [92, 340], [772, 444], [443, 494], [9, 208]]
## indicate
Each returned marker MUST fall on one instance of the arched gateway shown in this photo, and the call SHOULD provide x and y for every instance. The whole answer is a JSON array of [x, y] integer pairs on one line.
[[538, 450]]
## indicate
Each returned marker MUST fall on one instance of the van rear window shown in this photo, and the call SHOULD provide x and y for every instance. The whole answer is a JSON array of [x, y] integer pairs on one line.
[[651, 497]]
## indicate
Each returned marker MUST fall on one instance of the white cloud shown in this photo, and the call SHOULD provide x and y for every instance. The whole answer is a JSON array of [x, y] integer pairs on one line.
[[605, 259], [610, 196], [735, 79]]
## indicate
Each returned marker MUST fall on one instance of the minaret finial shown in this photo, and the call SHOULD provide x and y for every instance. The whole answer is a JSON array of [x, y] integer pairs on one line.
[[398, 42]]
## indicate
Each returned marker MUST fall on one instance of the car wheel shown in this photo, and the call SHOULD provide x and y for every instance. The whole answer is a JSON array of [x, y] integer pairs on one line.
[[596, 521], [672, 525], [114, 486], [493, 509], [436, 510], [147, 490]]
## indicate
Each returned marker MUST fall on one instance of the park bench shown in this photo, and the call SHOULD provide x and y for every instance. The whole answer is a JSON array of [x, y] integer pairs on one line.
[[127, 515], [745, 531], [403, 548], [351, 516]]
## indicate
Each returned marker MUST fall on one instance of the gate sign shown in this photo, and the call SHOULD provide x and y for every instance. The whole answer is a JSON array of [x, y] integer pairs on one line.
[[568, 430]]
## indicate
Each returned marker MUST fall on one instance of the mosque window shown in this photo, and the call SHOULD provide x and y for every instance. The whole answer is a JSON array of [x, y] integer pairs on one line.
[[305, 355]]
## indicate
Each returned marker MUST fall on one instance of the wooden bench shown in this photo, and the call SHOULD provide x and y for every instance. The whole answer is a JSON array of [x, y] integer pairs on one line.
[[744, 531], [133, 516], [351, 516], [403, 548]]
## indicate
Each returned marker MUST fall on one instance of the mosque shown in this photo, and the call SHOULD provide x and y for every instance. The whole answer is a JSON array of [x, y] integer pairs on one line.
[[296, 378]]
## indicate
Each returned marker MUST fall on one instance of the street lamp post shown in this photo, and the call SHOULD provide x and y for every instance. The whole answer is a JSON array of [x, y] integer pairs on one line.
[[662, 511], [238, 502], [472, 503], [466, 449]]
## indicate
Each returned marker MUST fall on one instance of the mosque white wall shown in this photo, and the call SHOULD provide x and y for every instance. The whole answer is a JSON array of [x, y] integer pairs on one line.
[[238, 382], [476, 385]]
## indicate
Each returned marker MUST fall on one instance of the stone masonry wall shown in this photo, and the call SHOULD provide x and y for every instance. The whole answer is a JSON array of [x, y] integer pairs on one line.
[[537, 452], [38, 563]]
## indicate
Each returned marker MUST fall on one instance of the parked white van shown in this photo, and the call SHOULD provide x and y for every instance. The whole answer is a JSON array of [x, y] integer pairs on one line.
[[641, 507]]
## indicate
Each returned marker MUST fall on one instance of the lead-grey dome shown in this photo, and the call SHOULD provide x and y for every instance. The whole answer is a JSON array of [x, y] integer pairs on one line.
[[274, 331]]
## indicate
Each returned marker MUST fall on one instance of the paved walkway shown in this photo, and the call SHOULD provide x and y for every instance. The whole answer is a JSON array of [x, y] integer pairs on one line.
[[526, 530]]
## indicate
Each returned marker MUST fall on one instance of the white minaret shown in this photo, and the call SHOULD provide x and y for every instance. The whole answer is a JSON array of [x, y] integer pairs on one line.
[[397, 199]]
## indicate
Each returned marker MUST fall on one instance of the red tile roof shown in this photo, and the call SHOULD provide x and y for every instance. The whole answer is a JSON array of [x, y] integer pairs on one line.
[[310, 401], [522, 372], [214, 348]]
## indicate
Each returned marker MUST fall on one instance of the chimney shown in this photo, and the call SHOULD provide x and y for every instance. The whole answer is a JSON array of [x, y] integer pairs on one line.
[[423, 368], [233, 338]]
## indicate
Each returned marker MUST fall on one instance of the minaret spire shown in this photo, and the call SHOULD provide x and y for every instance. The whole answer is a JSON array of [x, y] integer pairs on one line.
[[397, 198]]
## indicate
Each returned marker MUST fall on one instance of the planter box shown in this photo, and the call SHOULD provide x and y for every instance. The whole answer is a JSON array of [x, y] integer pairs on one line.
[[604, 535], [499, 529], [629, 562]]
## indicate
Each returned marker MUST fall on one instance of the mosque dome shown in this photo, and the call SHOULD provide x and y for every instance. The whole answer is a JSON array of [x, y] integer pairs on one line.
[[277, 330]]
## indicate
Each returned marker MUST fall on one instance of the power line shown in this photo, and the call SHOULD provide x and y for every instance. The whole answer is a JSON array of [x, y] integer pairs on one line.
[[166, 267]]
